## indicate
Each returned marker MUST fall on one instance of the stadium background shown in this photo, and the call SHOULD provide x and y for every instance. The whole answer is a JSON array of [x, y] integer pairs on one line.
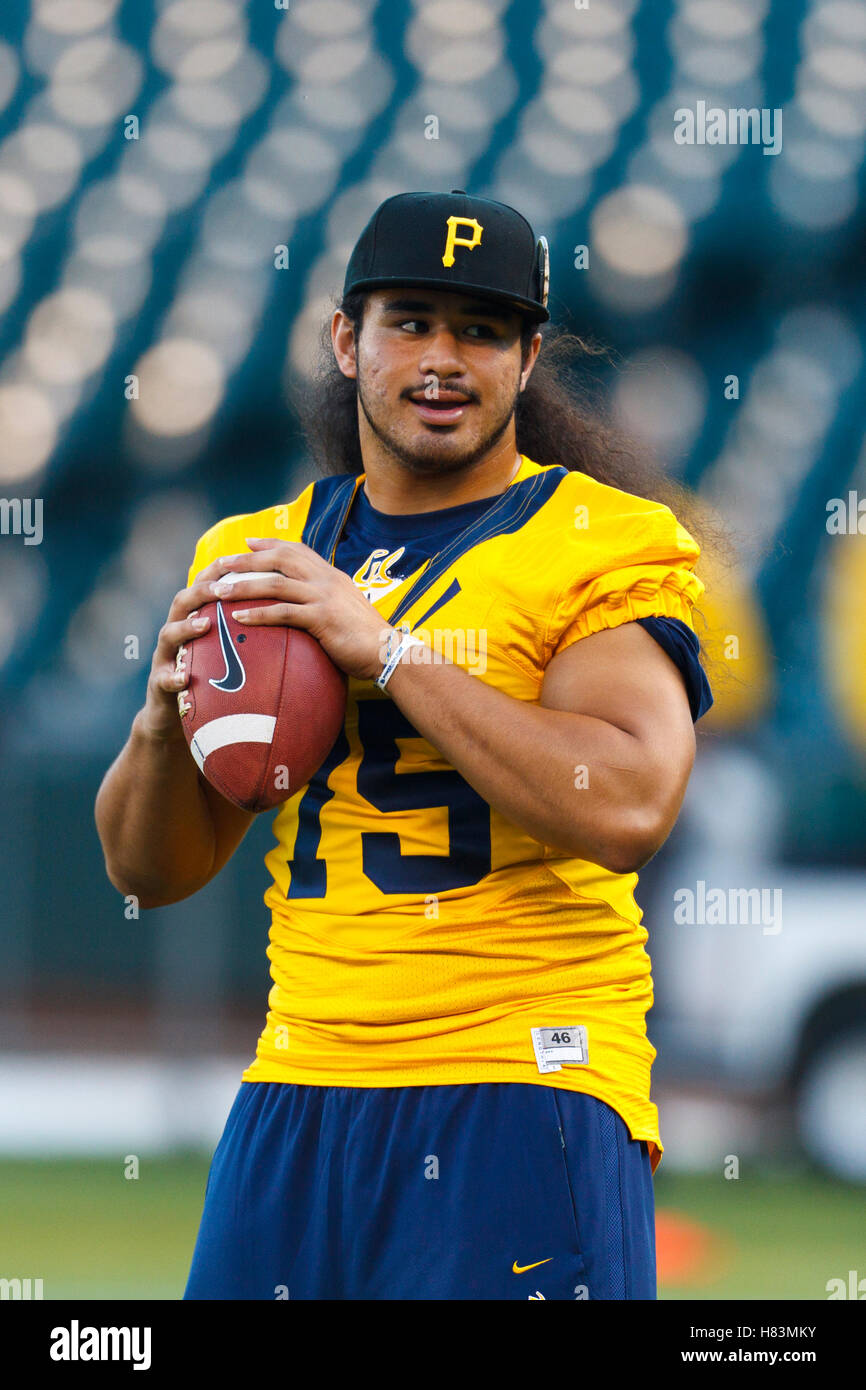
[[154, 157]]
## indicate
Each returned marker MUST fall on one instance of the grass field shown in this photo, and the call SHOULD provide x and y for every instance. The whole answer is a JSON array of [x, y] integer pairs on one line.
[[88, 1232]]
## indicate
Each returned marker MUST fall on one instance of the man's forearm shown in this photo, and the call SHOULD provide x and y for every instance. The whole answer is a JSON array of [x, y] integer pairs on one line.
[[153, 819], [526, 760]]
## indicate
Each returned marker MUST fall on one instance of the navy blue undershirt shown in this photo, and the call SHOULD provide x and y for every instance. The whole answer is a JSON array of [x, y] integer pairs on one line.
[[422, 534]]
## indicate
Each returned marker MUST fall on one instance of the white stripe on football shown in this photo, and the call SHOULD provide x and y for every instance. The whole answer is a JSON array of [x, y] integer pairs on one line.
[[231, 728]]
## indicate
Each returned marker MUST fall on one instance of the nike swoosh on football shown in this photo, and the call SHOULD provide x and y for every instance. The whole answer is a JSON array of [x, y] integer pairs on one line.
[[235, 675], [521, 1269]]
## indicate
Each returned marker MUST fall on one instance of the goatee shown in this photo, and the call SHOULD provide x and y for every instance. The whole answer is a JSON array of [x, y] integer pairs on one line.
[[431, 460]]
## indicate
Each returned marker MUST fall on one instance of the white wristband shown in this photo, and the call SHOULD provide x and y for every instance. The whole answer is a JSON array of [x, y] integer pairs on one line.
[[392, 658]]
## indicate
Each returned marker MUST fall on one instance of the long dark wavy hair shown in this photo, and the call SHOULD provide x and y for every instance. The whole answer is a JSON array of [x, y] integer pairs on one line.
[[558, 420]]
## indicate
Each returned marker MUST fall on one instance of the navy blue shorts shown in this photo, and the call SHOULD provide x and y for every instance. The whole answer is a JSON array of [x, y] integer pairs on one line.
[[496, 1190]]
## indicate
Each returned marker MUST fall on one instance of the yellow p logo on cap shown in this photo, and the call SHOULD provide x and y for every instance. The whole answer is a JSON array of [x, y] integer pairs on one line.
[[454, 240]]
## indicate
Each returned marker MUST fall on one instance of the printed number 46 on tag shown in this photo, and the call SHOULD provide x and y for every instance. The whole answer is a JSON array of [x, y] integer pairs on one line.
[[558, 1047]]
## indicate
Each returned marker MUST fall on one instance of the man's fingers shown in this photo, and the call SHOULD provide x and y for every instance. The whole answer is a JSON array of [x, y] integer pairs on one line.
[[278, 586], [211, 571], [169, 667], [287, 557], [181, 630], [187, 601], [275, 615]]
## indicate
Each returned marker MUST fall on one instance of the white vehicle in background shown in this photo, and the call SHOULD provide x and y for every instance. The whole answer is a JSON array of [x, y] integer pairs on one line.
[[760, 969]]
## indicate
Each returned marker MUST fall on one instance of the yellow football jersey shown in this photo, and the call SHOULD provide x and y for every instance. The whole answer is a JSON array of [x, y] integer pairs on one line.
[[417, 936]]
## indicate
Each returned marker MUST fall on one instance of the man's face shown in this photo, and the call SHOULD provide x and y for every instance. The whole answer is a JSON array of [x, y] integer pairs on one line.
[[438, 373]]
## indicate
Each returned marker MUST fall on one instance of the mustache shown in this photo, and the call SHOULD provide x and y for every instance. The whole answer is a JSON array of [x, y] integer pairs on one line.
[[434, 388]]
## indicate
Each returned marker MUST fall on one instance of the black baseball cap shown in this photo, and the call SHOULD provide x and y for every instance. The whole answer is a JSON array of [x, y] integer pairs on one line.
[[451, 241]]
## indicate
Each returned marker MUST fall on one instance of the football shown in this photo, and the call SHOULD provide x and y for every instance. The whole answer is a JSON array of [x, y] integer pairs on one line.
[[262, 708]]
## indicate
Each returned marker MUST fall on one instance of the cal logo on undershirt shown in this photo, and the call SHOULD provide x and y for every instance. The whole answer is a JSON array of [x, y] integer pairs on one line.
[[373, 576]]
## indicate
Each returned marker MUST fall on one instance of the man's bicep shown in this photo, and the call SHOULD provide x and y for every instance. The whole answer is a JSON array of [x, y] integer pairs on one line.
[[623, 676]]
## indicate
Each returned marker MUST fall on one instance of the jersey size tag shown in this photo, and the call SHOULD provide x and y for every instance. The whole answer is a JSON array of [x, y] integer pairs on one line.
[[558, 1047]]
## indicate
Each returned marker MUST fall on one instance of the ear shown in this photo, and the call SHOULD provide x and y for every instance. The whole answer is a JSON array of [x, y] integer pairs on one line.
[[344, 344], [530, 360]]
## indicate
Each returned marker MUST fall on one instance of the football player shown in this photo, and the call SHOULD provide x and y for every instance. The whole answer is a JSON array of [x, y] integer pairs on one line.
[[450, 1097]]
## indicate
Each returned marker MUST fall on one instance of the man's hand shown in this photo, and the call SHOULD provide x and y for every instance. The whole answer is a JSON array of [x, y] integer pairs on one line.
[[165, 831], [316, 597], [159, 718]]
